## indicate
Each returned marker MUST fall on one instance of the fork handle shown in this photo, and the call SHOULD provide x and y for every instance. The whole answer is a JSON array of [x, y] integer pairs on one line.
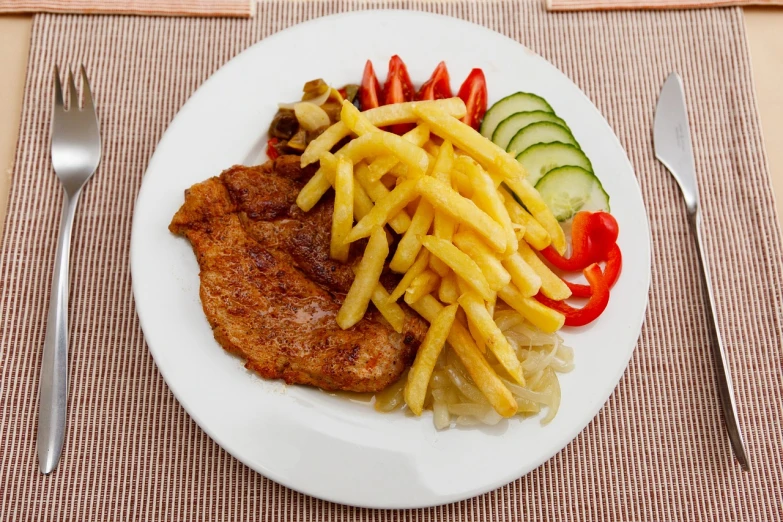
[[725, 386], [53, 386]]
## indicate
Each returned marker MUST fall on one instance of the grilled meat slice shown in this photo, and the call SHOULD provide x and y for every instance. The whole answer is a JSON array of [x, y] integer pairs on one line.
[[270, 291]]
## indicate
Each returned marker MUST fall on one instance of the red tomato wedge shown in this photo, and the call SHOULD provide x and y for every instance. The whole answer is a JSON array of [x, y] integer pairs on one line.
[[370, 90], [438, 86], [397, 89], [474, 93]]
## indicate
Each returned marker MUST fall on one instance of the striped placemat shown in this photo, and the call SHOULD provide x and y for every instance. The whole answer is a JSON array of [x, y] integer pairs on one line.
[[611, 5], [241, 8], [657, 451]]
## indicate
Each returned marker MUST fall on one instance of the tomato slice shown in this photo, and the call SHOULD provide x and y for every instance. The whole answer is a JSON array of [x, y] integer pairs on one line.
[[474, 93], [398, 89], [438, 86], [370, 90]]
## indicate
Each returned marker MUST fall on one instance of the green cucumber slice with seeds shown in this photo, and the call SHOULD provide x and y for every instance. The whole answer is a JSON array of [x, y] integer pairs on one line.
[[517, 102], [567, 190], [541, 132], [508, 128], [540, 158]]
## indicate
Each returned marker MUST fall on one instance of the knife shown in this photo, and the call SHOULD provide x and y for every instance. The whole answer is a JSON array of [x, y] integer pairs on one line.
[[673, 148]]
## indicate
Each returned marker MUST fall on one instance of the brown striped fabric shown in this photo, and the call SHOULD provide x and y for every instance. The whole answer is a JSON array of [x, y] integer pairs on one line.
[[610, 5], [657, 451], [241, 8]]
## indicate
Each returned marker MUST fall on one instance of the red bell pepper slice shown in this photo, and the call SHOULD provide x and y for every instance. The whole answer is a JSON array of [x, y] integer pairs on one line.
[[474, 93], [594, 307], [614, 264], [370, 89], [271, 151], [438, 86], [581, 255], [603, 232]]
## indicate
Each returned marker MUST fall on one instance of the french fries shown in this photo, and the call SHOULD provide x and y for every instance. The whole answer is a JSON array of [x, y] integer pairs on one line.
[[489, 155], [367, 145], [390, 310], [313, 190], [491, 266], [413, 272], [464, 288], [388, 164], [342, 220], [376, 190], [380, 117], [448, 292], [443, 224], [493, 338], [480, 371], [384, 210], [367, 275], [535, 204], [542, 317], [461, 183], [532, 231], [524, 277], [460, 262], [362, 204], [424, 283], [426, 357], [551, 286], [381, 142], [450, 202], [410, 244], [487, 198], [414, 157], [463, 238]]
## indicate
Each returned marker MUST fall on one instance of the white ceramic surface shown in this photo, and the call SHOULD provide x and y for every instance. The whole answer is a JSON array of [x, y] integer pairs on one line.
[[315, 443]]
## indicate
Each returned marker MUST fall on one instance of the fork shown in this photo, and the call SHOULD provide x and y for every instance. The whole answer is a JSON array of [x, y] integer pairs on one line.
[[76, 152]]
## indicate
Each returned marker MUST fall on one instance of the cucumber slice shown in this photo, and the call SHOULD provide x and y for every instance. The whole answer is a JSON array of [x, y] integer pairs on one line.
[[517, 102], [518, 121], [541, 158], [567, 190], [541, 132]]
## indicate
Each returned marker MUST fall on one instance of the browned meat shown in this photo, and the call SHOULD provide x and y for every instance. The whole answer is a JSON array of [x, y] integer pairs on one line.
[[270, 290]]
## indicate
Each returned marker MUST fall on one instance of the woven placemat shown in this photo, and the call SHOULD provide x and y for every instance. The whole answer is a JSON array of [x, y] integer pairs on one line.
[[657, 451]]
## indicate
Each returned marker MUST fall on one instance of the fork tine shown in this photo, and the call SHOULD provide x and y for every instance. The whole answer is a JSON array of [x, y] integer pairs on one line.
[[73, 94], [58, 89], [88, 104]]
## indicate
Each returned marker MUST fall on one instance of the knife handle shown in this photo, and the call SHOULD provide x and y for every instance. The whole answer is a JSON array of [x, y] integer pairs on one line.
[[725, 385]]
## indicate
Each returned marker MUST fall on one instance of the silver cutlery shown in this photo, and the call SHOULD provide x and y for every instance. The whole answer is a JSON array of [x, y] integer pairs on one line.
[[76, 152], [673, 148]]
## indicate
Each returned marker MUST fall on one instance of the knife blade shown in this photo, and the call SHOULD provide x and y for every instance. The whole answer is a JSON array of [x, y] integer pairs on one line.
[[673, 148]]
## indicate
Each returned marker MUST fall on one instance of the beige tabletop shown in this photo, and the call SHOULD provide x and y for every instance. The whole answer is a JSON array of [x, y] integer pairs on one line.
[[764, 37]]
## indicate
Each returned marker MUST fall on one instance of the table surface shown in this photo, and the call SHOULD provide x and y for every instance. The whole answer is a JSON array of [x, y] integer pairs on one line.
[[764, 38]]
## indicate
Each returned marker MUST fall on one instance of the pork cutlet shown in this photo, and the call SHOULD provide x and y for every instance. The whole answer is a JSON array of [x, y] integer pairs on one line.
[[270, 291]]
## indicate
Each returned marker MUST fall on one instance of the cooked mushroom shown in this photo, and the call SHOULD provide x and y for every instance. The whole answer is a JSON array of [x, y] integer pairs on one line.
[[284, 125]]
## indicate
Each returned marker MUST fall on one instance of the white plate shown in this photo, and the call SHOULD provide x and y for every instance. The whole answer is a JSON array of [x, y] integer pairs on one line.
[[303, 438]]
